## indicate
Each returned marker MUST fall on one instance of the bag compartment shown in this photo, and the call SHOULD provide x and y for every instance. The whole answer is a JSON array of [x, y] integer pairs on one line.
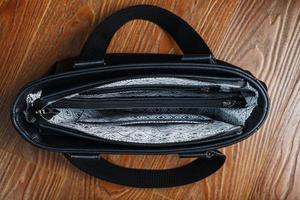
[[153, 120], [160, 92], [142, 126]]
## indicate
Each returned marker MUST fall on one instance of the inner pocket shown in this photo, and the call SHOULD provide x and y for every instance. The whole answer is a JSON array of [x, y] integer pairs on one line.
[[144, 126], [156, 110], [124, 118]]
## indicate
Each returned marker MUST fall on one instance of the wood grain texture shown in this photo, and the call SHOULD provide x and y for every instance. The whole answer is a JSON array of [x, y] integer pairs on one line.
[[261, 36]]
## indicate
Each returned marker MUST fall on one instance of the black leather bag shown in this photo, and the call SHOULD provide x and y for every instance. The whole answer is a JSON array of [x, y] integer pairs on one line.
[[98, 103]]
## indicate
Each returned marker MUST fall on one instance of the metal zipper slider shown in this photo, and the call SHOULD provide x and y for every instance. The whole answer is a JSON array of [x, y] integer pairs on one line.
[[207, 154], [229, 103], [47, 113]]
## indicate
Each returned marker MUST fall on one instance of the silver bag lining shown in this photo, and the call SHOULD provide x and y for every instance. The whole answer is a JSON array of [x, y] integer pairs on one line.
[[150, 126]]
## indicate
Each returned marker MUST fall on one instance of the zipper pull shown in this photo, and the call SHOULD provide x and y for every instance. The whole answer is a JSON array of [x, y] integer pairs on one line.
[[47, 113], [229, 103], [203, 154]]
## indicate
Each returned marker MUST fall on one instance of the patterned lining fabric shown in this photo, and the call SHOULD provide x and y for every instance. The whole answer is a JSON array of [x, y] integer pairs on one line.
[[167, 132], [156, 126]]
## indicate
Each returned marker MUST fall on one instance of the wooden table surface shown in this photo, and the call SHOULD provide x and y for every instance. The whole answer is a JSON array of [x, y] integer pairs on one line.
[[260, 36]]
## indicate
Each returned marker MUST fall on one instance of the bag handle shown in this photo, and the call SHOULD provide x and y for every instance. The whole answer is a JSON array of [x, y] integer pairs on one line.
[[186, 37], [147, 178]]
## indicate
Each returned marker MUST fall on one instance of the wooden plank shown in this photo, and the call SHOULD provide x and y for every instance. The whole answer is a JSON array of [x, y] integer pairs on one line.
[[260, 36]]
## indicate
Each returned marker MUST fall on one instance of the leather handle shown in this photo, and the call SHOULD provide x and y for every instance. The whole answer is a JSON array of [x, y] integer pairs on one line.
[[146, 178], [186, 37]]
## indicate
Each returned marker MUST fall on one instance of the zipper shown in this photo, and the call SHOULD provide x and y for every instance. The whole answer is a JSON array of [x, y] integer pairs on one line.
[[149, 102], [214, 89], [94, 91], [144, 118]]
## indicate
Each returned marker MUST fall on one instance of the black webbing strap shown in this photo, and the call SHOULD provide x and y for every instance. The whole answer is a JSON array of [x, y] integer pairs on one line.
[[147, 178], [186, 37]]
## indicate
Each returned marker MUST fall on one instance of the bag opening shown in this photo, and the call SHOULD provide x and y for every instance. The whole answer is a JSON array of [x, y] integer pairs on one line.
[[141, 110]]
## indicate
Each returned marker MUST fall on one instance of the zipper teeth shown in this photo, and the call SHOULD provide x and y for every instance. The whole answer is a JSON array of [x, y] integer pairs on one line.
[[153, 87], [137, 122], [207, 91], [138, 94], [147, 103], [150, 118], [167, 98], [159, 122]]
